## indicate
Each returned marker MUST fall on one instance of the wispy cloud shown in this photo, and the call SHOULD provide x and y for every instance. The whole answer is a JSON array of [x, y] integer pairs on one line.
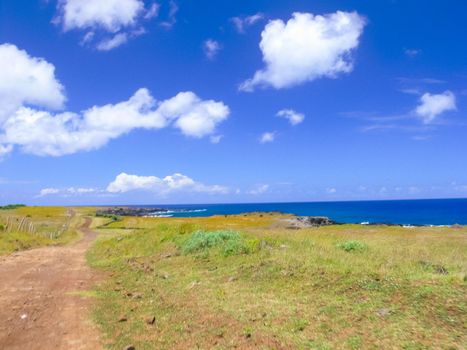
[[267, 137], [242, 23], [171, 19], [260, 189], [211, 48]]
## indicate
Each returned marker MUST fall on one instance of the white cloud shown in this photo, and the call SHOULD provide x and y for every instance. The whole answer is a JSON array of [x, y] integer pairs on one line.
[[48, 191], [432, 105], [113, 42], [331, 190], [241, 23], [176, 182], [46, 134], [267, 137], [27, 80], [117, 17], [66, 191], [193, 116], [305, 48], [211, 48], [292, 116], [260, 189]]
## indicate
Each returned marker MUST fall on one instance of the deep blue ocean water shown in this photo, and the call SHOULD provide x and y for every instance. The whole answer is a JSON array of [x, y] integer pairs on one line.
[[406, 212]]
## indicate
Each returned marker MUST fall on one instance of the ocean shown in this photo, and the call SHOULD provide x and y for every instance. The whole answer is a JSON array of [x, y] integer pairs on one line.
[[404, 212]]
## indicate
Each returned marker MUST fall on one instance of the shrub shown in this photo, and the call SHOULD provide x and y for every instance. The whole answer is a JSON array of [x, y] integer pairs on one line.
[[2, 228], [353, 246], [229, 242]]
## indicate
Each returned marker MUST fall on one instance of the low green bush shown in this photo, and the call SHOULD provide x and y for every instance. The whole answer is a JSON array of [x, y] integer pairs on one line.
[[228, 242], [353, 246]]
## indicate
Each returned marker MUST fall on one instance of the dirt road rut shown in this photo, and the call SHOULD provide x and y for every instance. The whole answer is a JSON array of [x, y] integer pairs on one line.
[[40, 302]]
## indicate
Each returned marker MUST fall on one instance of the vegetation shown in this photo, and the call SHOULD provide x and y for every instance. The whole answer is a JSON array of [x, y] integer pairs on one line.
[[24, 227], [109, 216], [11, 206], [248, 282], [228, 242]]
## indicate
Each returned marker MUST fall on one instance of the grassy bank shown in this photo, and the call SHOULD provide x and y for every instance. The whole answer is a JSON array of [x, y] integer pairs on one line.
[[24, 227], [248, 282]]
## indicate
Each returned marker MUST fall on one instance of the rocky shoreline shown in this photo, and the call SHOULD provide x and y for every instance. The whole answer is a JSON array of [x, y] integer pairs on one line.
[[128, 211], [294, 222]]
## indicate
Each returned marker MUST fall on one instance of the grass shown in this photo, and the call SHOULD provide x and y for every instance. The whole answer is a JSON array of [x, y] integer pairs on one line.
[[51, 226], [247, 282]]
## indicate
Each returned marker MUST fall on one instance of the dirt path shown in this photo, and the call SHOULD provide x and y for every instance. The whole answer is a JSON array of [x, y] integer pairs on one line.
[[40, 305]]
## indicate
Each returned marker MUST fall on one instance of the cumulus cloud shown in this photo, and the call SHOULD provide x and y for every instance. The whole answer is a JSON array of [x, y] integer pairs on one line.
[[176, 182], [241, 23], [432, 105], [267, 137], [120, 18], [23, 80], [306, 48], [211, 48], [292, 116], [27, 80], [47, 134]]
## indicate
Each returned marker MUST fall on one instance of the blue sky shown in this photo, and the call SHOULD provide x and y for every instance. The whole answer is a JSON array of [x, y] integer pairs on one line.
[[144, 102]]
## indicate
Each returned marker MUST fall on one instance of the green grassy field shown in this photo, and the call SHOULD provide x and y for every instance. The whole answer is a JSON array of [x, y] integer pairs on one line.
[[248, 282], [31, 227]]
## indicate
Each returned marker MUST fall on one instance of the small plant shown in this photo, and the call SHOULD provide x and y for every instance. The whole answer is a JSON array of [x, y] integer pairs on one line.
[[299, 325], [2, 228], [353, 246], [229, 242]]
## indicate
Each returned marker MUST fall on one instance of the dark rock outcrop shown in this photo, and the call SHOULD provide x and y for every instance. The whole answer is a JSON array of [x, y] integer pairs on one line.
[[298, 222]]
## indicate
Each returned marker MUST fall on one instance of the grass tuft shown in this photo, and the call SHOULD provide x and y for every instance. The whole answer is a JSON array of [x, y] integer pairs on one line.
[[353, 246]]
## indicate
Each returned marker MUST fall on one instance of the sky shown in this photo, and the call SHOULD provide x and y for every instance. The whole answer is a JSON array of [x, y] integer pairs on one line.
[[168, 102]]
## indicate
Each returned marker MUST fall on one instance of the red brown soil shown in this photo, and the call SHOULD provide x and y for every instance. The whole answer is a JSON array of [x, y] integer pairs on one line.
[[40, 304]]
